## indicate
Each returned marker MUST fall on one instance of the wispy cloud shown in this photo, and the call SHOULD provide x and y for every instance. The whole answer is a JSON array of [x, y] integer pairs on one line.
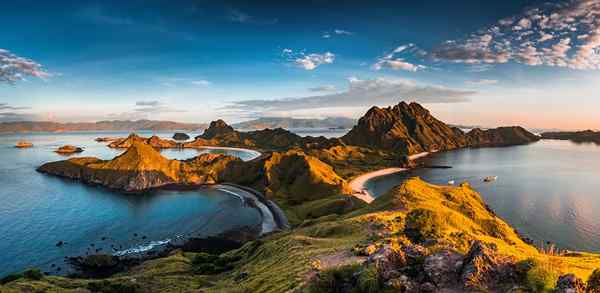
[[13, 113], [322, 88], [361, 93], [308, 61], [235, 15], [14, 68], [201, 82], [482, 82], [338, 32]]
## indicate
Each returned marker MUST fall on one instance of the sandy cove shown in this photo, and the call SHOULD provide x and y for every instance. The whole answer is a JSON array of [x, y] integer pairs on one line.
[[357, 184]]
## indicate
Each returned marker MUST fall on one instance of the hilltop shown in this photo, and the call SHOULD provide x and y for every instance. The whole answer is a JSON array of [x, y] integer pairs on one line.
[[114, 125]]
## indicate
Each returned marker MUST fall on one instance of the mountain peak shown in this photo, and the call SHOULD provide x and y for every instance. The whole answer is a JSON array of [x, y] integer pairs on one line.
[[216, 128]]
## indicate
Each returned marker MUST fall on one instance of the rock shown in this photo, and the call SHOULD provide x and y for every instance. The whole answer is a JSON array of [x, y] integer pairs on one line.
[[389, 262], [23, 144], [443, 268], [59, 243], [68, 149], [570, 284], [483, 268], [180, 136], [428, 288], [241, 276], [370, 249], [414, 253], [402, 284]]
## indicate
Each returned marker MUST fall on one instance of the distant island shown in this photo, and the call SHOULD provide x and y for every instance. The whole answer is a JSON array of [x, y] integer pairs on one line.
[[296, 123], [575, 136], [113, 125]]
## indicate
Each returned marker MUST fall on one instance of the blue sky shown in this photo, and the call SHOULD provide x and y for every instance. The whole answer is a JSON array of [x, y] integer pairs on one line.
[[473, 62]]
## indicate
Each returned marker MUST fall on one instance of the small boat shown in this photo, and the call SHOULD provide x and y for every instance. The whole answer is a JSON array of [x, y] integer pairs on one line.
[[451, 182], [490, 179]]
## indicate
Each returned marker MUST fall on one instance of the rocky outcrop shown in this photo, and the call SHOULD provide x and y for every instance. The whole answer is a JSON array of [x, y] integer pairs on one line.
[[215, 129], [180, 136], [501, 136], [483, 268], [405, 128], [23, 144], [153, 141], [411, 129], [569, 283], [69, 149]]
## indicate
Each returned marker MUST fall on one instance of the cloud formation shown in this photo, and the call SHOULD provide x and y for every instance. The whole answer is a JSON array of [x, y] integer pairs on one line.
[[563, 34], [362, 93], [338, 32], [12, 113], [322, 88], [308, 61], [14, 68], [394, 59]]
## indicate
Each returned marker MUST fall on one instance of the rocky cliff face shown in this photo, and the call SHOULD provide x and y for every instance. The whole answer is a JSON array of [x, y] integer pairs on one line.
[[405, 128], [410, 129]]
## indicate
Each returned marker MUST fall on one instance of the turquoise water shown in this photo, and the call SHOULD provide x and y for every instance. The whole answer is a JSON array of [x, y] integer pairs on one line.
[[549, 190], [38, 210]]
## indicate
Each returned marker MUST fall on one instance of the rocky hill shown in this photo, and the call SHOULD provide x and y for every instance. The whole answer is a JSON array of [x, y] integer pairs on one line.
[[411, 129], [115, 125], [153, 141], [296, 123], [576, 136]]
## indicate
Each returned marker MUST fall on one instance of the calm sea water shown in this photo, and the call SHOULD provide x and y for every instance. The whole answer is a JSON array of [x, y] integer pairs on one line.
[[38, 210], [549, 190]]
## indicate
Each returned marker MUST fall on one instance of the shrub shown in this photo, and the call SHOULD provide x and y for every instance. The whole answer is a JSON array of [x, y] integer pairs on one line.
[[33, 274], [422, 224], [368, 281], [210, 264], [593, 283], [337, 279], [113, 287], [541, 276], [9, 278]]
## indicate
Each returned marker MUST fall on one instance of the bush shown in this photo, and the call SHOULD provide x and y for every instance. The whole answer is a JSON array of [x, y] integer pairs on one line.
[[113, 287], [593, 283], [541, 276], [33, 274], [210, 264], [9, 278], [422, 224], [368, 281], [337, 279]]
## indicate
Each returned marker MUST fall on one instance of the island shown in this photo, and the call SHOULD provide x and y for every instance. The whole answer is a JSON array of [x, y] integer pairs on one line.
[[180, 136], [23, 144], [575, 136], [68, 149], [418, 237]]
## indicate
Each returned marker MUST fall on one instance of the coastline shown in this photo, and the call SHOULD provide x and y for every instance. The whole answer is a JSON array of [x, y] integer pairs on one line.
[[255, 153], [358, 184]]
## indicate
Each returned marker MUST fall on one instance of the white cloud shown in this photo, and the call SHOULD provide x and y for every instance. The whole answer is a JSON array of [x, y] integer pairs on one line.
[[14, 68], [482, 82], [314, 60], [393, 60], [361, 93], [239, 16], [339, 32]]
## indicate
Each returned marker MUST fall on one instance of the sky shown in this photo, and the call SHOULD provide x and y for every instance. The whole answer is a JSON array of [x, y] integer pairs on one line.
[[487, 63]]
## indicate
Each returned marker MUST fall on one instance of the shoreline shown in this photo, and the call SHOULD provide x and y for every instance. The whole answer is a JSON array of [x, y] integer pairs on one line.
[[358, 184]]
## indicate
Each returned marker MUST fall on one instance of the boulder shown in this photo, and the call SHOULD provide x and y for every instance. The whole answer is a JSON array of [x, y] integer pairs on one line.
[[570, 284], [484, 268], [180, 136], [443, 268]]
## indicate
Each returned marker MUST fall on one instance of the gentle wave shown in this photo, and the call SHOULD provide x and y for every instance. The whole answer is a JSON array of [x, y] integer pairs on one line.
[[142, 248]]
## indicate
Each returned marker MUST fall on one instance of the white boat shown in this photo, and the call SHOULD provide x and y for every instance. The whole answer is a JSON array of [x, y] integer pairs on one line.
[[451, 182], [490, 178]]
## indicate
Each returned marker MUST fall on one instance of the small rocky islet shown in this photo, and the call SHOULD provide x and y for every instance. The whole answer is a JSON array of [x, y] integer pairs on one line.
[[418, 237]]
